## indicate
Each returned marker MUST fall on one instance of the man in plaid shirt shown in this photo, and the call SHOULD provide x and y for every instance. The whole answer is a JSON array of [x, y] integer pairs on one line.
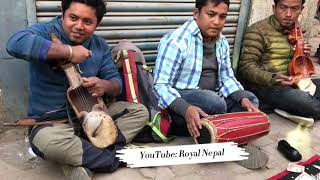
[[193, 75]]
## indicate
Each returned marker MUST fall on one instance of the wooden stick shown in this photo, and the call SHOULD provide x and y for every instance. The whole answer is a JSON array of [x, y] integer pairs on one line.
[[32, 122]]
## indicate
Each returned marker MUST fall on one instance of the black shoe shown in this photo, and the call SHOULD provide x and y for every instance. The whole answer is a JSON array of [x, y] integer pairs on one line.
[[288, 151]]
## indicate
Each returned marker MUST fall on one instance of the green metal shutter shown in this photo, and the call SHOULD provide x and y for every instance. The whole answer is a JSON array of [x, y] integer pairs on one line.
[[142, 21]]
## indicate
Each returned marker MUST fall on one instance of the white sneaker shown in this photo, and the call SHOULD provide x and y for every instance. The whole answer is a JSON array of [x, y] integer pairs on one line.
[[304, 121], [76, 172]]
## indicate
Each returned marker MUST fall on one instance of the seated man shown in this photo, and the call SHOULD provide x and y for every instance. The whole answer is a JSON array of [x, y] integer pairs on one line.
[[58, 142], [264, 64], [193, 75]]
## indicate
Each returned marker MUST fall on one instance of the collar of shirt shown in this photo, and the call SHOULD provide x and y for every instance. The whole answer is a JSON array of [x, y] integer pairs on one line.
[[195, 30]]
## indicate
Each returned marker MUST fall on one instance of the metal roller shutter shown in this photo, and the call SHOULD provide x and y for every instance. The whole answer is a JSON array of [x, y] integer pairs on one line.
[[142, 21]]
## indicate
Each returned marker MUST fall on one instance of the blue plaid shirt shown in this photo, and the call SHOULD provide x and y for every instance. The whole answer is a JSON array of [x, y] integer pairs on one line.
[[179, 64]]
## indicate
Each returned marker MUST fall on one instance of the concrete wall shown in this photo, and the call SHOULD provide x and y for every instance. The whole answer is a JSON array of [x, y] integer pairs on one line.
[[13, 73], [262, 9]]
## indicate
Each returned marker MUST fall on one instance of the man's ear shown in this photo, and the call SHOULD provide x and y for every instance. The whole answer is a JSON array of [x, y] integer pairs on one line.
[[196, 13], [62, 12], [273, 8]]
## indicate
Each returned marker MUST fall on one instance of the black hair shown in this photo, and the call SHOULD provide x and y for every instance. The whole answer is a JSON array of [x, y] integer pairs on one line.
[[98, 5], [277, 1], [201, 3]]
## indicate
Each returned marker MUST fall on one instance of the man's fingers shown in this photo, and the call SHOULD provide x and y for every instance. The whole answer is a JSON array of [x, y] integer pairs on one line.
[[95, 94], [283, 77], [193, 128], [85, 79], [286, 83], [255, 109], [203, 114], [86, 84], [55, 39], [191, 132], [196, 131], [198, 124], [190, 129], [307, 48], [195, 125]]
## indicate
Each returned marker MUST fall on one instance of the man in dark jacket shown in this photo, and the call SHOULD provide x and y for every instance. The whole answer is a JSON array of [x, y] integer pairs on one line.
[[264, 64]]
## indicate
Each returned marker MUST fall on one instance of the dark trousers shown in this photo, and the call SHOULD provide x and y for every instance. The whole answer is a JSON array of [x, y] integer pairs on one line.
[[59, 143], [292, 100]]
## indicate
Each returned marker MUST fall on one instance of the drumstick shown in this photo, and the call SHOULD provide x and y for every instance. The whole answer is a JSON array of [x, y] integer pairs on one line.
[[316, 76], [32, 122]]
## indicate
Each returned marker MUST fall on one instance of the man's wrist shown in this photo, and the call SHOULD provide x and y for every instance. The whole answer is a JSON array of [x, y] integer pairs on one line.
[[110, 87], [244, 99], [239, 95], [273, 80], [70, 53], [179, 106]]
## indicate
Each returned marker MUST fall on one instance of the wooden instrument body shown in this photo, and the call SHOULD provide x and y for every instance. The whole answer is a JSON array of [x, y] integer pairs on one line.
[[91, 111], [301, 67], [300, 64], [78, 96]]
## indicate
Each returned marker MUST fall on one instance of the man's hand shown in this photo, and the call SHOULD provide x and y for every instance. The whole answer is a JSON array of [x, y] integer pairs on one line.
[[58, 50], [79, 54], [192, 117], [94, 85], [284, 80], [307, 48], [246, 103]]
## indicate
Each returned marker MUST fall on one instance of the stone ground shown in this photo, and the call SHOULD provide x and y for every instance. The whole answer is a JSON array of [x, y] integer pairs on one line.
[[16, 164]]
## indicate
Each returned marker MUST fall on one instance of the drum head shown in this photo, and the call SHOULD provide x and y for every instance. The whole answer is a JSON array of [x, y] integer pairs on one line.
[[207, 133], [100, 129], [205, 136]]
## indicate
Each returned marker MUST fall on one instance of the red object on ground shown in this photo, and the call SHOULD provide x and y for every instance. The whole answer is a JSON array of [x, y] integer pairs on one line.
[[285, 172]]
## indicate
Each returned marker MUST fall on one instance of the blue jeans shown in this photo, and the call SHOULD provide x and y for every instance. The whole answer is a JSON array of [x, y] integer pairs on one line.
[[292, 100], [210, 102]]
